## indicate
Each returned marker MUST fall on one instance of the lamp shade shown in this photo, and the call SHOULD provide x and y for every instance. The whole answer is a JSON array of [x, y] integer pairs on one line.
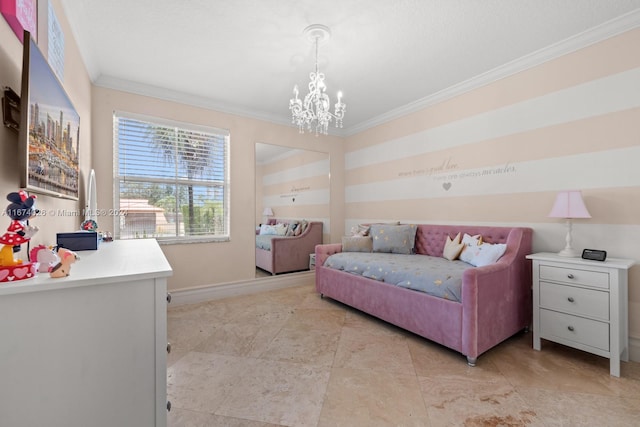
[[569, 204], [267, 212]]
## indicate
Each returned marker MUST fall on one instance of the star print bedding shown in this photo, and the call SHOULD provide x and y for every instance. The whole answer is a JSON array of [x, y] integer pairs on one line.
[[433, 275]]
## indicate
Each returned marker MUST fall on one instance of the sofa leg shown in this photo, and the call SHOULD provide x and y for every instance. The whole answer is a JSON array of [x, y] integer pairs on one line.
[[471, 361], [321, 296], [526, 329]]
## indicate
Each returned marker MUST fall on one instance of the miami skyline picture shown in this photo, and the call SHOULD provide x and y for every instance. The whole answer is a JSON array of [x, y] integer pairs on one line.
[[54, 132]]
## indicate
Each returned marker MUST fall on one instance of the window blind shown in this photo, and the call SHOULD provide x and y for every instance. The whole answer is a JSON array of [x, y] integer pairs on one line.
[[171, 179]]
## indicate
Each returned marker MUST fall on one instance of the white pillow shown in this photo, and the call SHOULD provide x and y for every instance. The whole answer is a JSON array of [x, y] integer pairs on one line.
[[487, 254], [280, 229], [470, 243], [266, 229]]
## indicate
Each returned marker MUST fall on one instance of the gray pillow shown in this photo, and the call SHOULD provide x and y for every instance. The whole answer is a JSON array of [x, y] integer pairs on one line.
[[357, 244], [397, 239]]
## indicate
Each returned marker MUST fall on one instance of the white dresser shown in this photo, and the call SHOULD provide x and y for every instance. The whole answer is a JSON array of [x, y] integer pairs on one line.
[[582, 304], [88, 349]]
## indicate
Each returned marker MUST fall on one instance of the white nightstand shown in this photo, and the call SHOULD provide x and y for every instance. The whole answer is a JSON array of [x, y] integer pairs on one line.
[[582, 304]]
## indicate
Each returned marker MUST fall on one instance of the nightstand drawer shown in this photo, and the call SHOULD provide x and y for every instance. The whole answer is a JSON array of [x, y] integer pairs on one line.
[[572, 275], [574, 300], [573, 328]]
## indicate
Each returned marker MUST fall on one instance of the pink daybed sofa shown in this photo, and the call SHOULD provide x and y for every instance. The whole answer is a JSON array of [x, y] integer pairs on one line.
[[291, 253], [496, 299]]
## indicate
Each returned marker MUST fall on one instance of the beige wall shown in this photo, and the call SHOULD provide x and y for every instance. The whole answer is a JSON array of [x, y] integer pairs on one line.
[[59, 212], [202, 264], [500, 153]]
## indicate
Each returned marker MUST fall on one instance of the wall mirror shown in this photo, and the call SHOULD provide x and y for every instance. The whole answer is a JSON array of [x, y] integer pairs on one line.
[[291, 184]]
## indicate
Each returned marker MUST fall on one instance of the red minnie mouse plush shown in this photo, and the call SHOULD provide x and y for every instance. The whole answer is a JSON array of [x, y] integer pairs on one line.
[[21, 208]]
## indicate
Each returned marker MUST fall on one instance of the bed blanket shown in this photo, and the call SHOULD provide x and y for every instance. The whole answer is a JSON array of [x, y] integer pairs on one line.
[[433, 275], [263, 241]]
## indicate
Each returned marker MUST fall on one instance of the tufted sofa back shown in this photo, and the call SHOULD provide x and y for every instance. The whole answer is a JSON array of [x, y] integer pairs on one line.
[[430, 238]]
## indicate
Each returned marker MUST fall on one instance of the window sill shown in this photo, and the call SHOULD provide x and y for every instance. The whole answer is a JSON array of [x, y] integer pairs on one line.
[[190, 240]]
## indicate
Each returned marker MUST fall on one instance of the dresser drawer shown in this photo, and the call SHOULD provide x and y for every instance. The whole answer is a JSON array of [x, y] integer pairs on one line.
[[574, 328], [574, 300], [572, 275]]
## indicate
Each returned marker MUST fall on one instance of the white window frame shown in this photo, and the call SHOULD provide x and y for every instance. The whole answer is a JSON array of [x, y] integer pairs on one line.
[[177, 181]]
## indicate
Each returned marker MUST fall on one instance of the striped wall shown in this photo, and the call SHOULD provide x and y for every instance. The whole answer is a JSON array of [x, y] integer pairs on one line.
[[296, 186], [498, 155]]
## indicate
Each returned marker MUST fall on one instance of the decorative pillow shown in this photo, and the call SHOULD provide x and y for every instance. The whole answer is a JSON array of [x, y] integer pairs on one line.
[[397, 239], [281, 229], [267, 230], [303, 226], [452, 248], [486, 253], [469, 243], [291, 229], [357, 244], [360, 230]]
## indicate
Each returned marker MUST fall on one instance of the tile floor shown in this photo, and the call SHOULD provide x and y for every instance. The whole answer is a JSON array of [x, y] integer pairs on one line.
[[290, 358]]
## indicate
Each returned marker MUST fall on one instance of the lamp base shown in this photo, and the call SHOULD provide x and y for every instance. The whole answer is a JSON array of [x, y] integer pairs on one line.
[[568, 250], [569, 253]]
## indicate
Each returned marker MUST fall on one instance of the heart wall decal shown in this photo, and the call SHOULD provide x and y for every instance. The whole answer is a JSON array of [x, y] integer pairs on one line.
[[446, 186]]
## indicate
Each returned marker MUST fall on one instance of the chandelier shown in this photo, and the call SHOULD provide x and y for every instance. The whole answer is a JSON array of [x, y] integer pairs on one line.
[[314, 109]]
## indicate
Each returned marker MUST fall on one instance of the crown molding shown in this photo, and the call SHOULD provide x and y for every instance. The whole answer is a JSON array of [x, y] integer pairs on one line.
[[579, 41], [143, 89]]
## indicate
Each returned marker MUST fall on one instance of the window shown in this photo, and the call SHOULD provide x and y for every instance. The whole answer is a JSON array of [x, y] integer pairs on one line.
[[171, 180]]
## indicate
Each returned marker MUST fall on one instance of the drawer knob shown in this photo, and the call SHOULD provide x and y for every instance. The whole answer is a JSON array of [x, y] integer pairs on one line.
[[570, 276], [570, 328], [570, 299], [168, 298]]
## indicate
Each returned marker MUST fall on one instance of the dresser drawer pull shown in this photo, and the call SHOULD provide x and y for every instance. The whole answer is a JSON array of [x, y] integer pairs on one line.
[[570, 276], [570, 299], [570, 328]]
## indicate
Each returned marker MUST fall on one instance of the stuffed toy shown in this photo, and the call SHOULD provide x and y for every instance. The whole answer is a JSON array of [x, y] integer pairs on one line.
[[20, 210], [63, 268]]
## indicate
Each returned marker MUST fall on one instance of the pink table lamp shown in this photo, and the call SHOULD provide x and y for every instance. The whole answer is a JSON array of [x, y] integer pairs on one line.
[[569, 205]]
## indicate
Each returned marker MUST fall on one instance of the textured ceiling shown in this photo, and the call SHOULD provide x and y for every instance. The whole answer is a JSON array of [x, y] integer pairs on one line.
[[244, 56]]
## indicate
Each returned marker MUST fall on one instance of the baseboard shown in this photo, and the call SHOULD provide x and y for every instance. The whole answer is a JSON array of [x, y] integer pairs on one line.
[[634, 349], [244, 287]]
